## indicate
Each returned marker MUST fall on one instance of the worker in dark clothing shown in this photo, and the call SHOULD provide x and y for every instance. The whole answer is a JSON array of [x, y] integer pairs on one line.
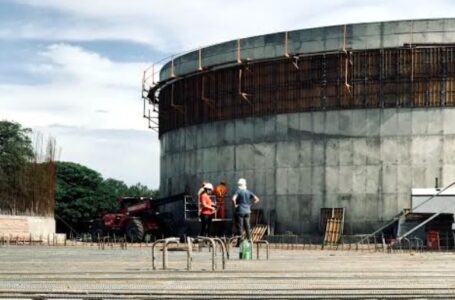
[[207, 209], [242, 201]]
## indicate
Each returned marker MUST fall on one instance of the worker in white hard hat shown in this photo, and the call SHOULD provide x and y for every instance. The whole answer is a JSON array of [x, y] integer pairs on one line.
[[207, 208], [242, 201], [201, 189]]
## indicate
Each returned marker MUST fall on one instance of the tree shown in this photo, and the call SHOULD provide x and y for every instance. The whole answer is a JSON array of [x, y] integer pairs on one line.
[[15, 144], [77, 195], [15, 152], [142, 191], [83, 195]]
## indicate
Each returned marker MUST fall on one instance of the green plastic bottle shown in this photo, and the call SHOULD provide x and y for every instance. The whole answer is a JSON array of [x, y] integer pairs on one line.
[[245, 250]]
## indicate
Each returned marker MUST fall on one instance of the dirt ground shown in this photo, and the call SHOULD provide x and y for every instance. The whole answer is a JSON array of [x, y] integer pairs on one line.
[[41, 272]]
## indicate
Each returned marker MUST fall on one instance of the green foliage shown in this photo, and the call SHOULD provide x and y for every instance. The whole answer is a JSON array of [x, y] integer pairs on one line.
[[82, 195], [15, 152], [27, 175], [141, 190]]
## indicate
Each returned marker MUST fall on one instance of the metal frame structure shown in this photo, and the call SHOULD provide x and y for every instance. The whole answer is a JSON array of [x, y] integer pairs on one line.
[[397, 217], [417, 75], [192, 208]]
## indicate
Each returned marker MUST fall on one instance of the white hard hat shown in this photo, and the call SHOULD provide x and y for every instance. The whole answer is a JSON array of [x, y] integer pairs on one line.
[[242, 182], [208, 186]]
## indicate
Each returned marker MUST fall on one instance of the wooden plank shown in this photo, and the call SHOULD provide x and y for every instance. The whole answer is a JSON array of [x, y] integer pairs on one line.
[[258, 232], [333, 231], [334, 213]]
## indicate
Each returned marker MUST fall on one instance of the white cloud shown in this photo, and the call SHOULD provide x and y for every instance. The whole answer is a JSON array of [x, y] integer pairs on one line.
[[78, 85], [173, 26], [96, 103], [129, 155]]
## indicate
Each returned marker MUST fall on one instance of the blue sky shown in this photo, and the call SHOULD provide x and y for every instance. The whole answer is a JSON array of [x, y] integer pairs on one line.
[[72, 69]]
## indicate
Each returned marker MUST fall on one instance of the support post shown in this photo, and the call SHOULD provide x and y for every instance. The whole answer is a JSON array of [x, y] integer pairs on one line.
[[189, 253]]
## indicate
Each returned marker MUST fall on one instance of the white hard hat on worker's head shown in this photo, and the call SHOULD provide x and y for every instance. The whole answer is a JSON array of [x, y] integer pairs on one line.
[[242, 183], [208, 186]]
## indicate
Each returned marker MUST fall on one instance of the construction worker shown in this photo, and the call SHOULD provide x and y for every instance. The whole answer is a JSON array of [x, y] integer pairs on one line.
[[242, 201], [201, 190], [220, 192], [207, 209]]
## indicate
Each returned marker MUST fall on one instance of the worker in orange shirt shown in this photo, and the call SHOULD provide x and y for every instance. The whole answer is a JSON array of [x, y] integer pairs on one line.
[[207, 209], [220, 192]]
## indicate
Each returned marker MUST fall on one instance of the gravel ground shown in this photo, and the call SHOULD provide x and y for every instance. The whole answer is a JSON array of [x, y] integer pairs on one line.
[[40, 272]]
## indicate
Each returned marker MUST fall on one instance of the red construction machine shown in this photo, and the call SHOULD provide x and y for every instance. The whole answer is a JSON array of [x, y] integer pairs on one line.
[[137, 217]]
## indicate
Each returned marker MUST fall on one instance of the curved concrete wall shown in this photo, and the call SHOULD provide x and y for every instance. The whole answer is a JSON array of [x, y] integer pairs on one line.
[[313, 40], [366, 160]]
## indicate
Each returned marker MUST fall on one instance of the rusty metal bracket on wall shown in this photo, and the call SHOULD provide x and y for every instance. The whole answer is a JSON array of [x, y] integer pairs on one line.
[[241, 93], [294, 58]]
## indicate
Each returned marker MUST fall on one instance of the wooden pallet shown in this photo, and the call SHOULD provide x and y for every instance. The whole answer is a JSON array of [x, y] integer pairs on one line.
[[330, 213], [258, 232], [333, 230]]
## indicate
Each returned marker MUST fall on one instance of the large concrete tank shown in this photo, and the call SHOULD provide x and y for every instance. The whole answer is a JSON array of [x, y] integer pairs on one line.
[[347, 116]]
